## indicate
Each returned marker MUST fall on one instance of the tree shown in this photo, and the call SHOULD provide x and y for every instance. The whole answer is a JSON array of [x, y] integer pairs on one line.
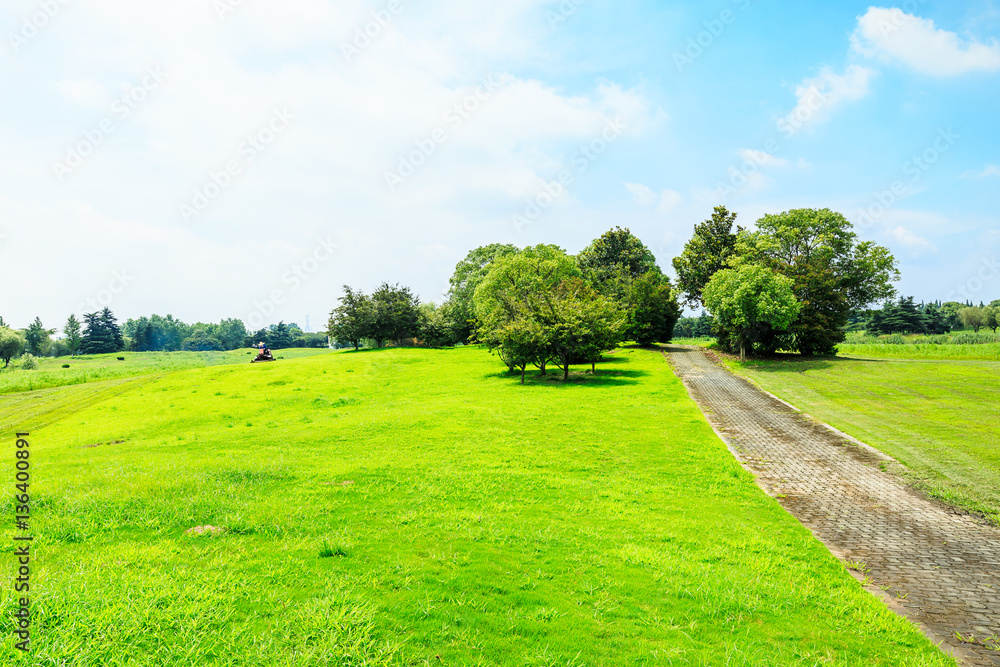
[[974, 317], [708, 251], [705, 326], [37, 337], [991, 315], [582, 324], [279, 336], [435, 329], [521, 286], [231, 333], [11, 344], [102, 334], [201, 341], [396, 314], [72, 332], [831, 271], [751, 299], [617, 257], [469, 273], [651, 309], [351, 321], [935, 321]]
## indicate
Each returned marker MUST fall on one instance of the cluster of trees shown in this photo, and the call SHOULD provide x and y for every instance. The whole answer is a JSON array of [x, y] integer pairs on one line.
[[694, 327], [390, 314], [904, 316], [790, 284], [536, 305], [101, 333]]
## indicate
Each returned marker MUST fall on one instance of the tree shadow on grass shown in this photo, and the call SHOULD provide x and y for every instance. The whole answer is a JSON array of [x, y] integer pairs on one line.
[[577, 378], [783, 362]]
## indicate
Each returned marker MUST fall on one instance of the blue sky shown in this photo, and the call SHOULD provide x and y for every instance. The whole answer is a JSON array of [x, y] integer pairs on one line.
[[228, 158]]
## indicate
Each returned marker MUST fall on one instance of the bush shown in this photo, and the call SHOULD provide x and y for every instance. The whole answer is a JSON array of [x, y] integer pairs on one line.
[[65, 365], [29, 362]]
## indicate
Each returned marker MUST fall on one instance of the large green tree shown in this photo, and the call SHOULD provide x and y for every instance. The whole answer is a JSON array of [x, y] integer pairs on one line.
[[750, 302], [395, 314], [833, 273], [651, 309], [973, 316], [37, 338], [469, 273], [74, 337], [709, 250], [351, 321], [614, 260], [11, 344], [102, 335]]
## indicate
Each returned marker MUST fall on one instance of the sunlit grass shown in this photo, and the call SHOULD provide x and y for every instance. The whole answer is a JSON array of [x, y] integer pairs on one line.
[[415, 507]]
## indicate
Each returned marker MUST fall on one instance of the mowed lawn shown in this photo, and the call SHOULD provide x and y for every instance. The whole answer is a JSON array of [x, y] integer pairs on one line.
[[96, 367], [413, 507], [941, 419]]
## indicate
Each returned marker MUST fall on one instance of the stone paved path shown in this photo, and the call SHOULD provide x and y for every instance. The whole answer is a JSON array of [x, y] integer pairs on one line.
[[942, 569]]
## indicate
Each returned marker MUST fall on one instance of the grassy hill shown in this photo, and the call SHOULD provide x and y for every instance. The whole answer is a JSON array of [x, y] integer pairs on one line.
[[414, 507]]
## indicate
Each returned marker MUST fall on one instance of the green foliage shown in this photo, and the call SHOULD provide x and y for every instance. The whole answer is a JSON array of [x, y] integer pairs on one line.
[[72, 332], [973, 317], [749, 303], [832, 272], [435, 328], [37, 338], [351, 320], [28, 362], [991, 318], [652, 310], [617, 256], [904, 316], [11, 344], [469, 273], [102, 334], [395, 314], [709, 250], [201, 341]]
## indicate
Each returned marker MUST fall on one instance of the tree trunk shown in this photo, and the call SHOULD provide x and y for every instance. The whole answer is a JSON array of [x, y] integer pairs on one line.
[[542, 367], [743, 354], [593, 367], [566, 371], [522, 374]]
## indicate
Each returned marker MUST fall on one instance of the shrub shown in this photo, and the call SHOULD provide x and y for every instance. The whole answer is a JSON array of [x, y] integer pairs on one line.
[[29, 362], [65, 365]]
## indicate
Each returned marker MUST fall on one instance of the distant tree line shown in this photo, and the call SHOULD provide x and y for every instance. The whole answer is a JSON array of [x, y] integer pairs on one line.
[[532, 306], [101, 333]]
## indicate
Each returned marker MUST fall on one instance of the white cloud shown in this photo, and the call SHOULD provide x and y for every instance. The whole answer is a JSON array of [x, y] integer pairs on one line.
[[643, 194], [817, 97], [323, 175], [893, 35], [910, 240], [762, 158], [666, 201], [988, 171]]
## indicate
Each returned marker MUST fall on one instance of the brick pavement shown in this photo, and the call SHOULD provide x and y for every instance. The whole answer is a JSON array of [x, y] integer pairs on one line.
[[938, 567]]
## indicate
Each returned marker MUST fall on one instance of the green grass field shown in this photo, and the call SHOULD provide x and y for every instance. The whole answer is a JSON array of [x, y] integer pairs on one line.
[[988, 351], [415, 507], [941, 419], [91, 368]]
